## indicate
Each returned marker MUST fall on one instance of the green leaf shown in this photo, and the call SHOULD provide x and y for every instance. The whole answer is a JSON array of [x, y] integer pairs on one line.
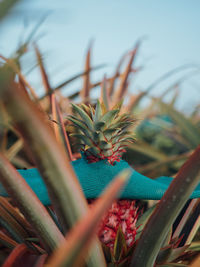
[[98, 111], [120, 246], [176, 252], [118, 136], [78, 123], [163, 255], [51, 159], [92, 112], [164, 215], [195, 246], [107, 153], [94, 150], [141, 222], [99, 125], [168, 238], [120, 125], [104, 93], [105, 145], [79, 239], [116, 146], [81, 137], [84, 116], [109, 116], [31, 207], [98, 136], [107, 252], [128, 139], [110, 131], [85, 108], [188, 129]]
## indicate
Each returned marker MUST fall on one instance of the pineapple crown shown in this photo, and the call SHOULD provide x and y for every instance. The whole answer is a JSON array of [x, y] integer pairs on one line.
[[101, 133]]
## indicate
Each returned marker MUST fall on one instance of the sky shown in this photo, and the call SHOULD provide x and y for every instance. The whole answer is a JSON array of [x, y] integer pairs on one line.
[[170, 29]]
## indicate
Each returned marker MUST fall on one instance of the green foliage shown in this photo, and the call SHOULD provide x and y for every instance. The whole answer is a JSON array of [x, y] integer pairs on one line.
[[165, 139]]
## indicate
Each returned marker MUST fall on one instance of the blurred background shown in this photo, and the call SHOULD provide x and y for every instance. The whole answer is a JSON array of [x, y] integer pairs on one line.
[[71, 45], [169, 30]]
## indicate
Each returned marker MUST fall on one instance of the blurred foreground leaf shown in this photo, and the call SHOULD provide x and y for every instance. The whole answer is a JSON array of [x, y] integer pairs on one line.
[[49, 156], [5, 6], [166, 212], [73, 251]]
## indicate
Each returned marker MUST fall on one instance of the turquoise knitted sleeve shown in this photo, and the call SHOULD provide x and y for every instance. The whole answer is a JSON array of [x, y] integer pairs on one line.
[[94, 177]]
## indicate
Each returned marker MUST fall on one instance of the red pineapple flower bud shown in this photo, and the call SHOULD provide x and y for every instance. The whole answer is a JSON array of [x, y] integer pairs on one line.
[[124, 214]]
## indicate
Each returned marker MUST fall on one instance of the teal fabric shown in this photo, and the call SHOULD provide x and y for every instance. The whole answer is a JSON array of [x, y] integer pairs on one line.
[[94, 177]]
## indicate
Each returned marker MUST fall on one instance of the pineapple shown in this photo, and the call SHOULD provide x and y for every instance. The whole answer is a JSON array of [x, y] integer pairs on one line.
[[101, 133], [122, 215]]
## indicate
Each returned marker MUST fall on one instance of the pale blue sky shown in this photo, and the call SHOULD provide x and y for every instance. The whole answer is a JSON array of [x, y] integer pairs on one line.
[[172, 28]]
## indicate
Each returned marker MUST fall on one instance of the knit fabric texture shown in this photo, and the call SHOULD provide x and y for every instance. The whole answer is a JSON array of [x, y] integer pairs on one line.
[[94, 177]]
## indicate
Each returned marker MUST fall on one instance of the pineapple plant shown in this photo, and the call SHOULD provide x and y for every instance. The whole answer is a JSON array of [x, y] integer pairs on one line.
[[103, 134], [100, 133], [106, 140], [119, 249]]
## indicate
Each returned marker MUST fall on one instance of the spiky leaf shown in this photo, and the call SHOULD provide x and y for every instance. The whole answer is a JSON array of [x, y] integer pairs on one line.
[[119, 245], [109, 116], [98, 112], [84, 116]]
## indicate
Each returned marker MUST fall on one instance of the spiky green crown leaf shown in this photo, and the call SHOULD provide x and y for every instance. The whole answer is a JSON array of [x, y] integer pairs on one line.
[[101, 133]]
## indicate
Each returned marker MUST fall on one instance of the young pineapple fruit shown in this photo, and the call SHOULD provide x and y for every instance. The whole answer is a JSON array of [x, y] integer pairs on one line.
[[100, 133], [122, 215], [117, 232]]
